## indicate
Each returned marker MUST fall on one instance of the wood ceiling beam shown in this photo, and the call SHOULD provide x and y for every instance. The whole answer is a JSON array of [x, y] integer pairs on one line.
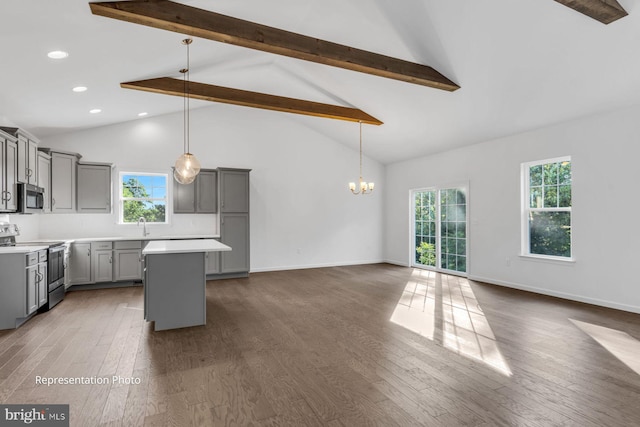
[[207, 92], [605, 11], [180, 18]]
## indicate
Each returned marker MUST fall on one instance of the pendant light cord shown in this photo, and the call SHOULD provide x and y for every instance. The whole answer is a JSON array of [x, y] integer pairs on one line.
[[361, 151], [186, 90]]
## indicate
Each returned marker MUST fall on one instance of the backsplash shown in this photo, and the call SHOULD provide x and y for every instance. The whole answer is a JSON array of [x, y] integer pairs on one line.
[[70, 226]]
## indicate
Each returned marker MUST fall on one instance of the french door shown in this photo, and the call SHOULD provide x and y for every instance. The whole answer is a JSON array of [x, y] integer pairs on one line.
[[440, 228]]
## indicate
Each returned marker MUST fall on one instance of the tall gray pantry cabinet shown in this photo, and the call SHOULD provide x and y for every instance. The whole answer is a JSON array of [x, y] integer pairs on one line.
[[234, 220]]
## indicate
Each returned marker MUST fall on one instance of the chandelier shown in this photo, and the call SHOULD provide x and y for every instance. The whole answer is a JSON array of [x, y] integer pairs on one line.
[[187, 166], [364, 187]]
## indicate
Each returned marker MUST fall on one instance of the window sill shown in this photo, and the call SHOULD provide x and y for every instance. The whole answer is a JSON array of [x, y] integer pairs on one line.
[[546, 258]]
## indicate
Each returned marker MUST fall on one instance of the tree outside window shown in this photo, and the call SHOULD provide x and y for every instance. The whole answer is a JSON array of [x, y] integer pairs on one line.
[[143, 196], [547, 208]]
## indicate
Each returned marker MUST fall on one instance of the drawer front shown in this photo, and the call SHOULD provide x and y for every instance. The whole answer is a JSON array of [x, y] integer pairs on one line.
[[32, 258], [101, 245], [127, 244], [42, 256]]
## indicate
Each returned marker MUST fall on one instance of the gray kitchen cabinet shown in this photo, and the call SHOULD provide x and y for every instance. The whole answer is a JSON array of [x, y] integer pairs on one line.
[[8, 173], [44, 178], [212, 263], [234, 220], [94, 187], [43, 288], [19, 287], [27, 159], [101, 261], [168, 305], [80, 263], [184, 197], [234, 232], [127, 261], [207, 192], [234, 190], [32, 290], [63, 182], [201, 196]]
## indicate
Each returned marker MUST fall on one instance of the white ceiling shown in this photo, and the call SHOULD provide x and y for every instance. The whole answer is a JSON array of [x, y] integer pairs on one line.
[[520, 64]]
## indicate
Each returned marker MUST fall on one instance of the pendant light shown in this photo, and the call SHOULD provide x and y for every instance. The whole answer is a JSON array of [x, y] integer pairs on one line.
[[187, 166], [364, 187]]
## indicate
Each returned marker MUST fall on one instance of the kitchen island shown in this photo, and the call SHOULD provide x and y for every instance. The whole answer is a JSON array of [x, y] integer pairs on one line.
[[174, 282]]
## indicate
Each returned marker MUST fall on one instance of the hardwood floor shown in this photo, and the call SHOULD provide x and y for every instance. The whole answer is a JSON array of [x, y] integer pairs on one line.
[[345, 346]]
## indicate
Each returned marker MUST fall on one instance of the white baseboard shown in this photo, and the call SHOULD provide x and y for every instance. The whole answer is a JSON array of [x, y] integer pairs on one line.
[[307, 266], [564, 295], [394, 262]]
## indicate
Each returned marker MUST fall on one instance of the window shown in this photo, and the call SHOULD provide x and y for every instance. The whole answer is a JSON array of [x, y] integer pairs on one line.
[[440, 228], [546, 219], [143, 195]]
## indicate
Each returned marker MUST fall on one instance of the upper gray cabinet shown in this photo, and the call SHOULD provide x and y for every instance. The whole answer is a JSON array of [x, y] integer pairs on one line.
[[198, 197], [207, 192], [234, 190], [8, 173], [27, 166], [94, 188], [63, 181], [44, 178]]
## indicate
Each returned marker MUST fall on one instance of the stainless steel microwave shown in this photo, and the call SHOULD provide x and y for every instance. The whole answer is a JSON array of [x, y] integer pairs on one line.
[[30, 198]]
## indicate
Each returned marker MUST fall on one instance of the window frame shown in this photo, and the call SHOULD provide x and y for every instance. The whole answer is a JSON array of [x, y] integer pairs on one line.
[[122, 199], [526, 209]]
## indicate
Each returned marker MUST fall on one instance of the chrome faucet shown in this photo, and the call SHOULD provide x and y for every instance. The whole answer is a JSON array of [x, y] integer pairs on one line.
[[144, 226]]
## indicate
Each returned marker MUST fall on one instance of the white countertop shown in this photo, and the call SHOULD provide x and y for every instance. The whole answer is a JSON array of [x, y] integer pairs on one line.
[[180, 246], [21, 249], [131, 238]]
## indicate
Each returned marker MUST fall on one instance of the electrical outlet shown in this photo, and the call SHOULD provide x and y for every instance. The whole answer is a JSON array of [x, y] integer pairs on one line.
[[508, 262]]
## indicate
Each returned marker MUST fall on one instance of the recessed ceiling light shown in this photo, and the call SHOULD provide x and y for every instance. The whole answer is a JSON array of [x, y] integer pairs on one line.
[[79, 89], [57, 54], [95, 111], [142, 114]]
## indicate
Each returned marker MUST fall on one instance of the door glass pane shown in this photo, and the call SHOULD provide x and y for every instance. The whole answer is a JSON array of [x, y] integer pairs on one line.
[[453, 229], [425, 228]]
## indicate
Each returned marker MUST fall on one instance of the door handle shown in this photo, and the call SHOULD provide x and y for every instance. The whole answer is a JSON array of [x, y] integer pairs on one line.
[[53, 201], [88, 252]]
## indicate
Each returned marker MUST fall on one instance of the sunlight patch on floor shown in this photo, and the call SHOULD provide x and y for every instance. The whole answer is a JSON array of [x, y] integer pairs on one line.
[[444, 309], [622, 345]]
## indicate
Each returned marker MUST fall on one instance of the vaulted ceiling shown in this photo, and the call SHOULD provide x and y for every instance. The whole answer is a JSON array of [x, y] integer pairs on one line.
[[520, 65]]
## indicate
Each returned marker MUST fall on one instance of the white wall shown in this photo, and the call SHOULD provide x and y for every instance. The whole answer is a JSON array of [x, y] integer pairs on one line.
[[604, 151], [302, 213]]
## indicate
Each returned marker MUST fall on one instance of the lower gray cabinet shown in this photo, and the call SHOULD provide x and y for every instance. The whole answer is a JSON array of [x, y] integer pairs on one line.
[[32, 290], [234, 232], [127, 260], [101, 261], [43, 286], [20, 290], [105, 261], [212, 265], [80, 263]]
